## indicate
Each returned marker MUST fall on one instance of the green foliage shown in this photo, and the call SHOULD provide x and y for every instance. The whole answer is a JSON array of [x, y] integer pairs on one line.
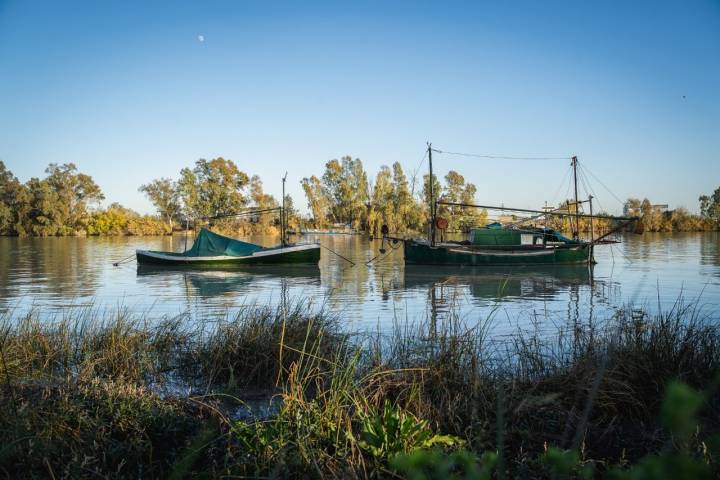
[[164, 195], [345, 184], [710, 206], [75, 400], [213, 188], [262, 201], [318, 203], [438, 465], [566, 464], [655, 219], [387, 433], [679, 411]]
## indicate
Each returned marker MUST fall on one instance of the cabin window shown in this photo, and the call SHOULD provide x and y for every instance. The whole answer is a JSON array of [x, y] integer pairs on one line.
[[526, 239]]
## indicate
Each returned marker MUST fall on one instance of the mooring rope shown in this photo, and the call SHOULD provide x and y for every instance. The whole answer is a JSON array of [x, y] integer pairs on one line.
[[333, 251], [126, 259]]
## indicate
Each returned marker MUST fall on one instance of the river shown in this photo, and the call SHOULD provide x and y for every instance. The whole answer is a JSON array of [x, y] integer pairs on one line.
[[55, 276]]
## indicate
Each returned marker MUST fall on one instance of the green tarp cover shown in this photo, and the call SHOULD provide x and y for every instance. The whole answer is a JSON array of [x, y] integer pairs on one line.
[[494, 236], [209, 244]]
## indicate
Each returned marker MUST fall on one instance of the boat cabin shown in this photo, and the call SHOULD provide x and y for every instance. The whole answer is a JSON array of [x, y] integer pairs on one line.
[[495, 234]]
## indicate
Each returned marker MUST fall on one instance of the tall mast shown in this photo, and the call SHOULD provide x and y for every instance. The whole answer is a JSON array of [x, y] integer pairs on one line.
[[576, 233], [432, 198], [282, 213]]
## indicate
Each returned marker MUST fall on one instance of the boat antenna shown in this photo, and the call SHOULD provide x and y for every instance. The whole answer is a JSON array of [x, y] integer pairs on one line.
[[282, 213], [576, 233], [432, 197]]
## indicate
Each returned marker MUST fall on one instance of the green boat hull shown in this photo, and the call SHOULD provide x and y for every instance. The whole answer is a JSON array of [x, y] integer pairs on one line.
[[423, 254], [308, 256]]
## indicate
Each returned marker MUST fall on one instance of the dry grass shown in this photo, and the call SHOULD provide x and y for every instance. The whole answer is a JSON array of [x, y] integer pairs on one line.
[[79, 396]]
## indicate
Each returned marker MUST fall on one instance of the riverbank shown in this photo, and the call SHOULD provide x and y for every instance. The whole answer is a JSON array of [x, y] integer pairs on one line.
[[278, 392]]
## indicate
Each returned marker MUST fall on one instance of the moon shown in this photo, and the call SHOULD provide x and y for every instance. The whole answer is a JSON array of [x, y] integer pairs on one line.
[[201, 38]]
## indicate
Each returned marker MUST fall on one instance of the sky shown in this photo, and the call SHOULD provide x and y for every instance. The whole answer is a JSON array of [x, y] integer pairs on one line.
[[131, 90]]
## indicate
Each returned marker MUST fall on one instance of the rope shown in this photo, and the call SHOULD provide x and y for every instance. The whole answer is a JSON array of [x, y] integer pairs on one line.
[[126, 259], [382, 253], [601, 183], [415, 172], [333, 251], [499, 157]]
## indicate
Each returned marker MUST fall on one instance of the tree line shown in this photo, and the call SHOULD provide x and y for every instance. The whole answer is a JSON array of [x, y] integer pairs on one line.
[[67, 202], [345, 195]]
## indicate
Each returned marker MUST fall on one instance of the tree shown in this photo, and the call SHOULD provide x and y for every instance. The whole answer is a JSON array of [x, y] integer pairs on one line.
[[14, 203], [651, 216], [632, 207], [75, 193], [262, 201], [291, 214], [345, 184], [318, 201], [163, 194], [710, 206], [58, 204], [406, 208], [382, 210], [212, 189]]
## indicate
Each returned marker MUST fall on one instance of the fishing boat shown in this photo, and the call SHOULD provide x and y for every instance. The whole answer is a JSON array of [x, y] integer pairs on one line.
[[211, 248], [498, 245], [495, 245]]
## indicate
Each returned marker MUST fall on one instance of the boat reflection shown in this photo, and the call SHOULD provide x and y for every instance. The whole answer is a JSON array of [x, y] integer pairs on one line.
[[537, 282], [216, 281]]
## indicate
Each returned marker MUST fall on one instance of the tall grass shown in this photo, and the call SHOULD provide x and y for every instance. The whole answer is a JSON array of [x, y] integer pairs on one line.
[[94, 394]]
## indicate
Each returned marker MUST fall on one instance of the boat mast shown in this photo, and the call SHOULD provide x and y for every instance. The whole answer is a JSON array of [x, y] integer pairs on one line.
[[592, 231], [282, 213], [576, 233], [432, 197]]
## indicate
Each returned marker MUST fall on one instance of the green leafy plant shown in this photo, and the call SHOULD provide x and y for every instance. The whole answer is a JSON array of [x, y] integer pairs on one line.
[[392, 431], [435, 464]]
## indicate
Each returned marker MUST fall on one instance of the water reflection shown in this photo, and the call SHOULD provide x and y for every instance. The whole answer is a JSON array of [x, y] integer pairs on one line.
[[217, 282], [650, 270], [497, 283]]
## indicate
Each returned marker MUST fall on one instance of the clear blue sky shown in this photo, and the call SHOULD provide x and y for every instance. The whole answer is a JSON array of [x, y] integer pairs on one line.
[[128, 91]]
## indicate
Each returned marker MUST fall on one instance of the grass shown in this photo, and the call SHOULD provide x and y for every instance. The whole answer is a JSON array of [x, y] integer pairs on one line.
[[94, 394]]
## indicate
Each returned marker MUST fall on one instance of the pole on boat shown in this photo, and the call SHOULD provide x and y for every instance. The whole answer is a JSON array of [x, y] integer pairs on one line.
[[576, 233], [187, 225], [282, 214], [592, 232], [432, 197]]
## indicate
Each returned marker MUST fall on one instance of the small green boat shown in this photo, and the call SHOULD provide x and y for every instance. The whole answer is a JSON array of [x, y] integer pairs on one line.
[[213, 249], [495, 245]]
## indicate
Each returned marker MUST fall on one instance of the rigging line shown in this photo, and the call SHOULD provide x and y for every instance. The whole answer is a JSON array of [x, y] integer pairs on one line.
[[601, 183], [417, 169], [590, 190], [500, 157], [562, 182]]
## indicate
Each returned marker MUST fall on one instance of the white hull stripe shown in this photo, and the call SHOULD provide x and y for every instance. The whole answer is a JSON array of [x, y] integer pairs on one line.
[[259, 253]]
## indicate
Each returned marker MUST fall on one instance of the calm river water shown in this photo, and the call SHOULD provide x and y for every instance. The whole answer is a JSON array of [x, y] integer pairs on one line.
[[652, 271]]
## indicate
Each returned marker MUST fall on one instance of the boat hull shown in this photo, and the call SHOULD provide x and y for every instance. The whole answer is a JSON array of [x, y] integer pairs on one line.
[[294, 255], [423, 254]]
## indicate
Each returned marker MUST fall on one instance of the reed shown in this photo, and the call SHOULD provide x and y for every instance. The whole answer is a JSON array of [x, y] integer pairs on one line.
[[109, 393]]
